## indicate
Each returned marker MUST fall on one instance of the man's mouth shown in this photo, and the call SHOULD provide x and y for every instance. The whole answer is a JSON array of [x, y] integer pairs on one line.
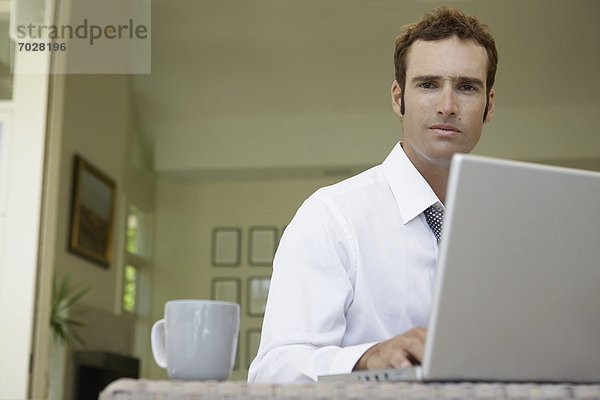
[[444, 127], [445, 130]]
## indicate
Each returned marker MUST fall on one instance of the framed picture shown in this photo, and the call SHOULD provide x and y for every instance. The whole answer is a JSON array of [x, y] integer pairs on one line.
[[92, 213], [226, 289], [226, 247], [252, 344], [262, 246], [258, 289], [236, 363]]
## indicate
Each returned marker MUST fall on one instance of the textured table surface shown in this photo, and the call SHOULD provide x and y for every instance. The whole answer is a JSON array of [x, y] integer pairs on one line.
[[129, 389]]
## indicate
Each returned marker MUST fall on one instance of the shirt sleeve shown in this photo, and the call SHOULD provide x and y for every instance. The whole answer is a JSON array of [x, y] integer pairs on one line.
[[311, 289]]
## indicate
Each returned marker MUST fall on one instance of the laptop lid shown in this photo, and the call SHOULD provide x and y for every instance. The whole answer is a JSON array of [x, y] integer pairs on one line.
[[518, 284]]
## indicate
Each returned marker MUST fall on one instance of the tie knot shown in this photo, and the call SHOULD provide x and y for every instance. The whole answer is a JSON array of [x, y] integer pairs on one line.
[[435, 218]]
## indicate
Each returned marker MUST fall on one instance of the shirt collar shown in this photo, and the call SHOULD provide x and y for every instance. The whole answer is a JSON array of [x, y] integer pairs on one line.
[[411, 191]]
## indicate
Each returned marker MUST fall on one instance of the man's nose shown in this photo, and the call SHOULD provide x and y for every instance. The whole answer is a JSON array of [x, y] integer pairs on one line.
[[447, 104]]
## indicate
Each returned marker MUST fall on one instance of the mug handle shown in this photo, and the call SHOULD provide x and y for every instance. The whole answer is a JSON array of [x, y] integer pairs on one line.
[[157, 338]]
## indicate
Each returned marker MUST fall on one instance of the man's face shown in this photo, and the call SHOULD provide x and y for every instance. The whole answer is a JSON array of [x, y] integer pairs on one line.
[[444, 100]]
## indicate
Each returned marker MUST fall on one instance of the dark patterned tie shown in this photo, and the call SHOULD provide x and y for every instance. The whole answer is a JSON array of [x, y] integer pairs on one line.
[[435, 218]]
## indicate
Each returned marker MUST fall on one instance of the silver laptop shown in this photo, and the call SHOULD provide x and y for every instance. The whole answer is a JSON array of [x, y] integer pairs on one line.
[[517, 295]]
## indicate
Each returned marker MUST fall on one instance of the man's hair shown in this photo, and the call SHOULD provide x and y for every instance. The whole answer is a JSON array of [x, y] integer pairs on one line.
[[444, 22]]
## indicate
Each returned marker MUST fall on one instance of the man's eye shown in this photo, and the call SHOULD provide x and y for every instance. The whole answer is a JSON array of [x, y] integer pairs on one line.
[[467, 88], [427, 85]]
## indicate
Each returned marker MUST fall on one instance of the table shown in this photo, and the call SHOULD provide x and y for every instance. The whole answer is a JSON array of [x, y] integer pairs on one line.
[[132, 389]]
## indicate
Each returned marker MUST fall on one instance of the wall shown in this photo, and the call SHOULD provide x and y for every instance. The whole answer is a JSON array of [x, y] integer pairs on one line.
[[99, 125], [326, 140], [23, 123], [544, 133], [186, 214], [257, 75], [95, 127]]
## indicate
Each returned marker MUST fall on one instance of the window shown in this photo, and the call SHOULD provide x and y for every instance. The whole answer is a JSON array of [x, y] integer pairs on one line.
[[132, 231], [7, 56], [138, 258], [136, 277], [130, 289], [139, 233]]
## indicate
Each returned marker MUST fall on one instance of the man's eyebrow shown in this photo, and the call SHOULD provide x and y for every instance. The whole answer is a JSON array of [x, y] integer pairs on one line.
[[462, 79], [423, 78], [472, 81]]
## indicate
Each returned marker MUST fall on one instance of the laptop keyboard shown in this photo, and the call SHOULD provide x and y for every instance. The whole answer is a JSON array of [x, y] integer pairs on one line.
[[407, 374]]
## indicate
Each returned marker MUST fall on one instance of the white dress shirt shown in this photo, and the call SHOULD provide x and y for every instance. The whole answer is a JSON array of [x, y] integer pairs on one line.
[[355, 266]]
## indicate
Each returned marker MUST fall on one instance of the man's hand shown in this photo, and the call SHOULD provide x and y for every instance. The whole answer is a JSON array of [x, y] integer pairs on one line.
[[400, 351]]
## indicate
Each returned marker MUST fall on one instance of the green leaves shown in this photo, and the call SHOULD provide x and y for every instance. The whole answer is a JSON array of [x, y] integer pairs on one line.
[[64, 295]]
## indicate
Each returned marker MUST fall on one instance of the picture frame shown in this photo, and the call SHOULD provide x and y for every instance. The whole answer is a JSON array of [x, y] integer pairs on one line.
[[92, 213], [258, 290], [226, 289], [252, 344], [282, 231], [262, 245], [226, 247], [236, 363]]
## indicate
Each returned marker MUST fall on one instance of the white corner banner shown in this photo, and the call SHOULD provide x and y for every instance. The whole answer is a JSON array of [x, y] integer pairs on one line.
[[95, 37]]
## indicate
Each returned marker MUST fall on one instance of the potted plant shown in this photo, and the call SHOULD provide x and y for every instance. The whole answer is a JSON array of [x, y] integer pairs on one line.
[[63, 325]]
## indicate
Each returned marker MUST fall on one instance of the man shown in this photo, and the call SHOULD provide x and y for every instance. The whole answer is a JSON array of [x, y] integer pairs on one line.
[[353, 276]]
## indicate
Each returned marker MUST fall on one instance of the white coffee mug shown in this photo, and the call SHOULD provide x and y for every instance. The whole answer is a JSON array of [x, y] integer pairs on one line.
[[197, 339]]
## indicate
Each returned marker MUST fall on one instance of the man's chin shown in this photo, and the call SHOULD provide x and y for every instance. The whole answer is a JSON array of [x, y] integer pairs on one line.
[[442, 155], [444, 150]]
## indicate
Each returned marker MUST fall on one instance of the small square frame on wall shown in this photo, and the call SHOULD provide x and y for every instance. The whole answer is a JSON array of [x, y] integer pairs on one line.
[[236, 362], [226, 247], [262, 245], [258, 290], [252, 344], [226, 289], [92, 213]]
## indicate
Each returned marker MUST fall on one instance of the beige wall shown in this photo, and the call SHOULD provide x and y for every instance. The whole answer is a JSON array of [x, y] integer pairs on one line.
[[98, 124], [186, 214], [541, 132], [311, 79], [95, 126], [549, 133]]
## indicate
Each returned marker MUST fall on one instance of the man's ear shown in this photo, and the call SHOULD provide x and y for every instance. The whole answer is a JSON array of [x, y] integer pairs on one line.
[[490, 107], [396, 94]]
